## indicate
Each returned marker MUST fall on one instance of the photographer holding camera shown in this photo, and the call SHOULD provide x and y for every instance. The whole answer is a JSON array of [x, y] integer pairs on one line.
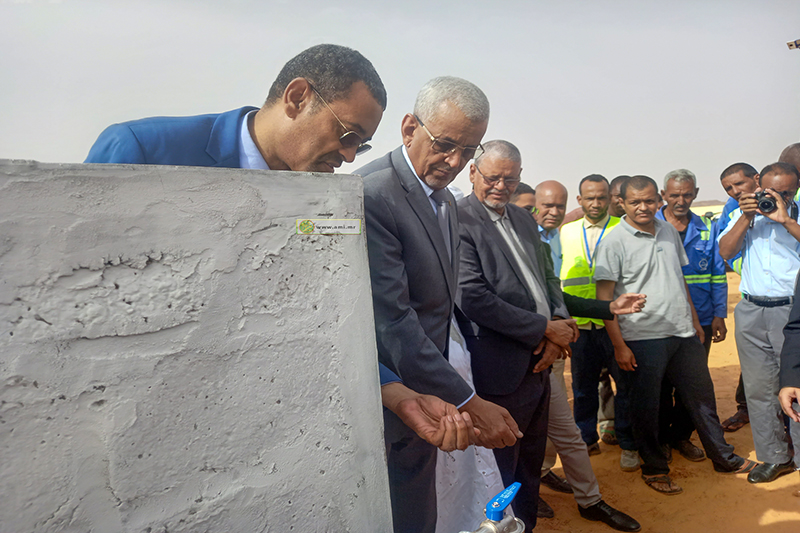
[[766, 231]]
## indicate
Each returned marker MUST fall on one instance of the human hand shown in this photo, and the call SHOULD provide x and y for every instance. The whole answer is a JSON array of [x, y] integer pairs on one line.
[[497, 427], [434, 420], [562, 332], [550, 352], [698, 330], [625, 358], [749, 205], [718, 329], [781, 214], [787, 395], [628, 303]]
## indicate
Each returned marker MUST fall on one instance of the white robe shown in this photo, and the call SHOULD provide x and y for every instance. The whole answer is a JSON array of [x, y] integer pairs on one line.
[[465, 480]]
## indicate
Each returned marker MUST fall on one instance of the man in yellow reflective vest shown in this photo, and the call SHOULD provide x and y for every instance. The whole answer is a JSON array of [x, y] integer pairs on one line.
[[593, 350]]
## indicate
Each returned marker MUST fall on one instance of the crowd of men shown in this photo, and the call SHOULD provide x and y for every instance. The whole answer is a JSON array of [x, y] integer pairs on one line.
[[500, 271]]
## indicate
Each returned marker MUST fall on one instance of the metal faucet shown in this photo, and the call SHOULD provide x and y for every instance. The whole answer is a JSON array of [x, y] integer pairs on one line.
[[495, 521]]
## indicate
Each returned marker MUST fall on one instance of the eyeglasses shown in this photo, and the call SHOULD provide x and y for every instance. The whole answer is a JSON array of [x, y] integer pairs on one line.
[[494, 180], [350, 138], [448, 147]]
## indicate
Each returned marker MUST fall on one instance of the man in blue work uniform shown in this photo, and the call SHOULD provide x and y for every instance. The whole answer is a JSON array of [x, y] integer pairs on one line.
[[708, 287], [737, 179]]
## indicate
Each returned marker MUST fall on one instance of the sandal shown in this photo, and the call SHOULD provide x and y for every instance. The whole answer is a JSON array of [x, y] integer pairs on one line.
[[609, 436], [737, 421], [671, 488], [746, 468]]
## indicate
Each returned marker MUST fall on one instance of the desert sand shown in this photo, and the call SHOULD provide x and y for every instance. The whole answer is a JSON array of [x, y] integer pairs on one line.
[[710, 501]]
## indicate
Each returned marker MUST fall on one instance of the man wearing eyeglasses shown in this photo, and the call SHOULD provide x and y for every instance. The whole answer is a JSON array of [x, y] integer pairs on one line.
[[765, 230], [413, 245], [322, 109], [520, 327]]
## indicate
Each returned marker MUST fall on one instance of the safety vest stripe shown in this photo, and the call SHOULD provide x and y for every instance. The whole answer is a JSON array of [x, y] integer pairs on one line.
[[722, 278], [576, 281]]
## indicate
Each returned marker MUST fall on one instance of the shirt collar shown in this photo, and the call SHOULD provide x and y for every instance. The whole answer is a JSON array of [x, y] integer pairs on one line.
[[494, 215], [694, 219], [587, 224], [634, 231], [249, 156], [428, 190], [549, 233]]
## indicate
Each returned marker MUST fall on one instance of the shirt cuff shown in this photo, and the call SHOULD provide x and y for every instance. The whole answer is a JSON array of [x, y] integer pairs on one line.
[[462, 404]]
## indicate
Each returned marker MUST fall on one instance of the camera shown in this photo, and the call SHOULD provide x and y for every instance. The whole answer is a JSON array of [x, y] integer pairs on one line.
[[766, 203]]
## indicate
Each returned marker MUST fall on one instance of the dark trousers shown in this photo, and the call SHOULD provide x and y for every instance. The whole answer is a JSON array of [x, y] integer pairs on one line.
[[592, 352], [741, 401], [412, 479], [683, 362], [675, 422], [529, 406]]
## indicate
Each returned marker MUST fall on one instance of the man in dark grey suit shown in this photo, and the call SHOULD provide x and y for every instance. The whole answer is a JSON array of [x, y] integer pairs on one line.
[[511, 294], [412, 236], [790, 359]]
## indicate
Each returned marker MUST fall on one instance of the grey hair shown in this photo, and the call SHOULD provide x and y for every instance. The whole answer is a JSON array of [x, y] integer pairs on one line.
[[679, 176], [464, 95], [501, 150]]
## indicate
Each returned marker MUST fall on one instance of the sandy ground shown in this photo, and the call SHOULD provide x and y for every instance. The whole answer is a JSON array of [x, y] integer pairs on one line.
[[710, 501]]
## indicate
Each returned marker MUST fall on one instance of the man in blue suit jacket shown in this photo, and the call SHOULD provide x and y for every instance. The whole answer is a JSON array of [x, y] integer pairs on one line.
[[322, 109]]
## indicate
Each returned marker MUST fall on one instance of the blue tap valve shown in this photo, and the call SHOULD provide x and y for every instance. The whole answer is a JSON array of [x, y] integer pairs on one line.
[[496, 507]]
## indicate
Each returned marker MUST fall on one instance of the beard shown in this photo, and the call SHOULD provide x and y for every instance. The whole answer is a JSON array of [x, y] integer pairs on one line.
[[494, 204]]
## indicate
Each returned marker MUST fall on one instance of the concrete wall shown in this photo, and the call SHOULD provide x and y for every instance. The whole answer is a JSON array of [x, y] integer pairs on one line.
[[174, 357]]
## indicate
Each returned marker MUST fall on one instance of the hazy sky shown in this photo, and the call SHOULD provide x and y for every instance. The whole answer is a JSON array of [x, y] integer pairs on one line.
[[609, 87]]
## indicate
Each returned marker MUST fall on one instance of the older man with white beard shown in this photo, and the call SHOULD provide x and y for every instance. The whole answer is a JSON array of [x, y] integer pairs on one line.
[[520, 325]]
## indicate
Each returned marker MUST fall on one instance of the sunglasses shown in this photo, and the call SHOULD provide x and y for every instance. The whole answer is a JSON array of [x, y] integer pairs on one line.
[[448, 147], [350, 138]]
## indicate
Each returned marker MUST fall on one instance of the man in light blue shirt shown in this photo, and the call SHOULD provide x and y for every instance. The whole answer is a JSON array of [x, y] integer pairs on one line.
[[551, 206], [737, 179], [769, 240]]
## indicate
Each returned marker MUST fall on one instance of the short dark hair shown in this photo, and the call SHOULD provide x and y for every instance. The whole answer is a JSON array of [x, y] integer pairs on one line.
[[637, 183], [619, 179], [744, 168], [596, 178], [522, 188], [780, 168], [333, 70]]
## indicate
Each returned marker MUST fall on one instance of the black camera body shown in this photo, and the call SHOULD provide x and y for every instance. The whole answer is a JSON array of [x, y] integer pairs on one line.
[[766, 203]]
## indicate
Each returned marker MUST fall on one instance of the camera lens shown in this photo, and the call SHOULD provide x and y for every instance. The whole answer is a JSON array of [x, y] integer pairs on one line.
[[767, 205]]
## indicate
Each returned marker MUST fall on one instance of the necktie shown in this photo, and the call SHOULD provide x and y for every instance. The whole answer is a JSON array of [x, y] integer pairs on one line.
[[443, 203], [539, 295]]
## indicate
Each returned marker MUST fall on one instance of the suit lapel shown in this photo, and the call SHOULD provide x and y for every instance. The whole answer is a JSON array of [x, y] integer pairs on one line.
[[421, 205], [223, 143], [497, 240]]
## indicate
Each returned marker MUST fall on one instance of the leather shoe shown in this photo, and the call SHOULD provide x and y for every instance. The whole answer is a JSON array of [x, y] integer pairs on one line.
[[766, 472], [602, 512], [558, 484], [543, 510], [687, 449]]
